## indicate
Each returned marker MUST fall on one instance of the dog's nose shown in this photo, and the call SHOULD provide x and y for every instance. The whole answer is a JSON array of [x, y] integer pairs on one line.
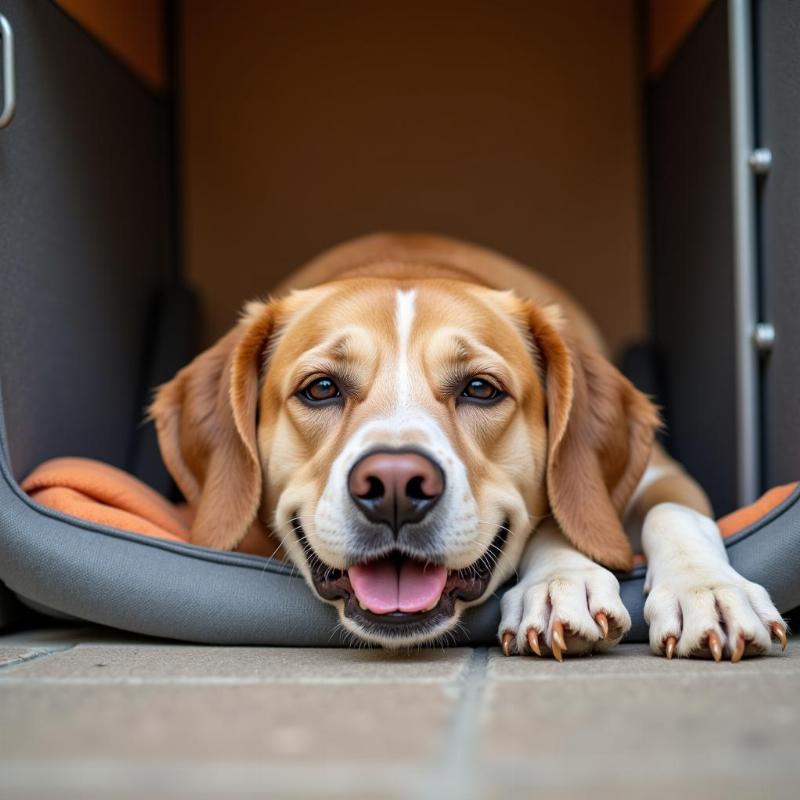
[[396, 488]]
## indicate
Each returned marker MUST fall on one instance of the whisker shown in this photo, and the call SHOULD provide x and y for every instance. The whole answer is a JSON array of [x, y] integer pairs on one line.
[[281, 543], [494, 525]]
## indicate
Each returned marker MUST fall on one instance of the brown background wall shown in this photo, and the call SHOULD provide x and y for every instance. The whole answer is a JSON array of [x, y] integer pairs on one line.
[[512, 124]]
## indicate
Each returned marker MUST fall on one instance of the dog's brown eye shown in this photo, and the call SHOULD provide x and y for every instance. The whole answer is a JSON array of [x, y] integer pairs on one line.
[[320, 390], [481, 390]]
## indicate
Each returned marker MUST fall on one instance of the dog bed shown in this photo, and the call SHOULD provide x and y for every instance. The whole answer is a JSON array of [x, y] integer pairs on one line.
[[74, 378], [94, 543]]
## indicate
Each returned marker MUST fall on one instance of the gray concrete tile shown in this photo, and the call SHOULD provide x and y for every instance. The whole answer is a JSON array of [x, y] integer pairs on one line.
[[185, 721], [694, 787], [67, 636], [304, 723], [113, 780], [632, 660], [644, 722], [187, 664]]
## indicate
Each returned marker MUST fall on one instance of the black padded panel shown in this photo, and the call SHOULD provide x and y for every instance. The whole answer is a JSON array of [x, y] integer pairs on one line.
[[778, 62], [692, 255], [169, 345], [83, 235]]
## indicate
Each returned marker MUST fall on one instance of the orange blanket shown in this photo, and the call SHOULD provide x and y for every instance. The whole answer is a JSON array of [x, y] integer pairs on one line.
[[100, 493], [106, 495]]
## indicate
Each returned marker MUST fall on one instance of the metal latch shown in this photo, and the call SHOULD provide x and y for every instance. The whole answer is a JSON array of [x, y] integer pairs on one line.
[[760, 161], [764, 337], [9, 88]]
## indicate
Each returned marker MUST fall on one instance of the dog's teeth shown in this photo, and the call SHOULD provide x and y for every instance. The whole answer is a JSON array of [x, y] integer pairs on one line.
[[362, 606], [432, 605]]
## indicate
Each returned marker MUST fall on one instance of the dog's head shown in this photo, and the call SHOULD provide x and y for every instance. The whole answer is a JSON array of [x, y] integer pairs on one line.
[[402, 438]]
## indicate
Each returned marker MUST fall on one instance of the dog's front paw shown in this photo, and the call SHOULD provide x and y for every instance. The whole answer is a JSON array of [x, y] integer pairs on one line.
[[574, 611], [712, 613]]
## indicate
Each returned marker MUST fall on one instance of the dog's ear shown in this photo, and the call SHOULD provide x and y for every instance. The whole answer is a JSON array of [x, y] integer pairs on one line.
[[205, 418], [600, 436]]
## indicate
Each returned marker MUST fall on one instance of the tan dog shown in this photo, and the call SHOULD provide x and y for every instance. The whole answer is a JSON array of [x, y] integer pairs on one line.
[[420, 419]]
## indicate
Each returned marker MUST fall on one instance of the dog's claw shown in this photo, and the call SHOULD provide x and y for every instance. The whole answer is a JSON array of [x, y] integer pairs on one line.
[[602, 622], [714, 645], [533, 641], [508, 638], [559, 645], [738, 651], [557, 652], [669, 646], [779, 632]]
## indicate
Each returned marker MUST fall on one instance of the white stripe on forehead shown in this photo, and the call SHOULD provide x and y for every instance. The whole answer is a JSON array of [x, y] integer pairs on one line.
[[404, 319]]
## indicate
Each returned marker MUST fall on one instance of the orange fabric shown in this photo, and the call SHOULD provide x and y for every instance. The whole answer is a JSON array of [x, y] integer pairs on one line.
[[106, 495], [743, 517]]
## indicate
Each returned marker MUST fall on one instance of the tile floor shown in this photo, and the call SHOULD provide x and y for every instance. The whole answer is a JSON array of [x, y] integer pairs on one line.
[[91, 713]]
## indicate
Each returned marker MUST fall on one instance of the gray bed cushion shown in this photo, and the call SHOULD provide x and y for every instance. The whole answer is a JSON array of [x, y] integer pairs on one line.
[[124, 580]]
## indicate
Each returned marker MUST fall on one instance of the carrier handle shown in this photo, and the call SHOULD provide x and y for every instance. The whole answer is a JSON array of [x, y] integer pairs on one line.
[[9, 88]]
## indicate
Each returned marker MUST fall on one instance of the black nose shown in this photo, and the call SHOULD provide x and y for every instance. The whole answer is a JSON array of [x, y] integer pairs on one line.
[[396, 488]]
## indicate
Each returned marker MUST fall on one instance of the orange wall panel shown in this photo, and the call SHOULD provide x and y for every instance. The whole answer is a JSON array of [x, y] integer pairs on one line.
[[669, 22], [132, 29]]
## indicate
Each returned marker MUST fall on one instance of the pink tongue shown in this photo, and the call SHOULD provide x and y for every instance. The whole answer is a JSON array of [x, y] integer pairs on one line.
[[375, 585], [421, 585], [380, 588]]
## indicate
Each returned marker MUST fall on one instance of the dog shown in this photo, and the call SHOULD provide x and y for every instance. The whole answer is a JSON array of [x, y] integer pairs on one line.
[[415, 419]]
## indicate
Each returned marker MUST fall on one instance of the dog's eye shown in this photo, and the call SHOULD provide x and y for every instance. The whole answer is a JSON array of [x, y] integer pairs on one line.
[[481, 390], [320, 390]]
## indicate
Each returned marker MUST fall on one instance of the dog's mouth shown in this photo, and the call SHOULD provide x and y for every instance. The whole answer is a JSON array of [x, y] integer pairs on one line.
[[398, 596]]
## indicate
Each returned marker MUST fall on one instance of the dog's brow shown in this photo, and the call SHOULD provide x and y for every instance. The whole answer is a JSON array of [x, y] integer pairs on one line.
[[338, 347], [462, 351], [340, 357], [461, 356], [465, 350], [341, 349]]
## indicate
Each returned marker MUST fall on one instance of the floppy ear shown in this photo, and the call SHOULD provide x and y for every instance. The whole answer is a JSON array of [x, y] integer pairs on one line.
[[205, 418], [600, 436]]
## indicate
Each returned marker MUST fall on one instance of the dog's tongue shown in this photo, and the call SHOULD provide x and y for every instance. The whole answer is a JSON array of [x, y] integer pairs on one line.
[[376, 585], [381, 588], [421, 585]]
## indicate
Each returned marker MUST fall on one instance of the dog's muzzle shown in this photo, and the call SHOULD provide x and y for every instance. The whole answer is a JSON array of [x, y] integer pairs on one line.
[[398, 596]]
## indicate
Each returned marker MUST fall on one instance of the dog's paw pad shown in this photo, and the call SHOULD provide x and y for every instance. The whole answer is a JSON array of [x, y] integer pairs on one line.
[[730, 619], [573, 613]]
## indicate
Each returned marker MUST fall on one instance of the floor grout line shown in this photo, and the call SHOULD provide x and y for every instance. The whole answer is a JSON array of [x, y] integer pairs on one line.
[[35, 654], [455, 773]]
